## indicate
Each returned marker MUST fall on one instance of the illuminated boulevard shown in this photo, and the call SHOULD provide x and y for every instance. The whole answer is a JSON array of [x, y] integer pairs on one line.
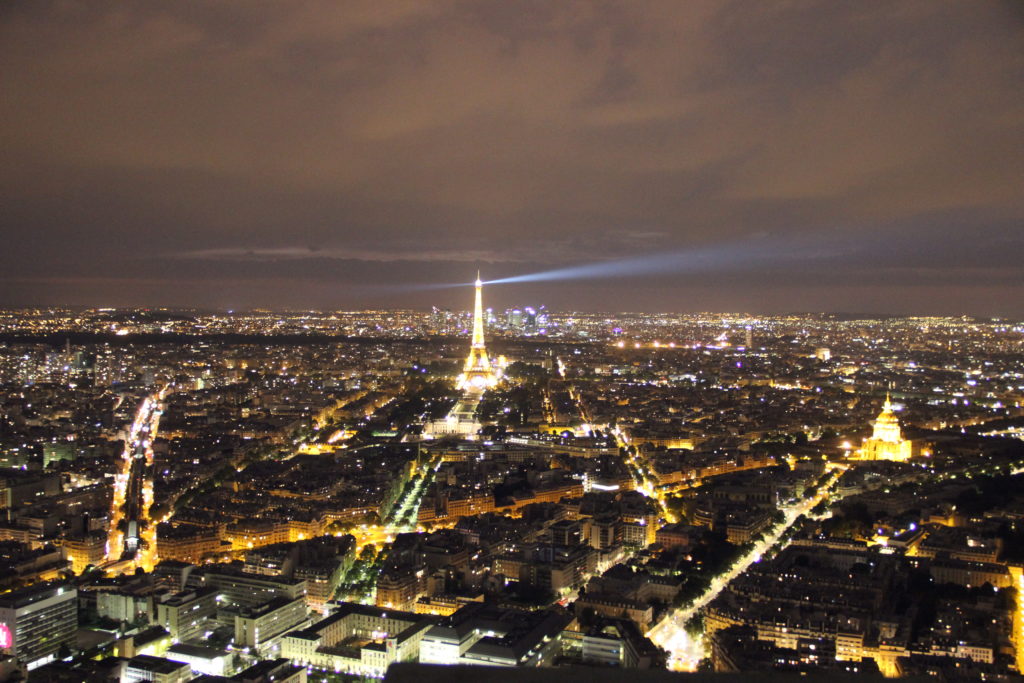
[[132, 535], [403, 518], [685, 651]]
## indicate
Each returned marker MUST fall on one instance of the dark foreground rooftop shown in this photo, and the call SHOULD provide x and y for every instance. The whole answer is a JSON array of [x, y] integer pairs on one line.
[[426, 673]]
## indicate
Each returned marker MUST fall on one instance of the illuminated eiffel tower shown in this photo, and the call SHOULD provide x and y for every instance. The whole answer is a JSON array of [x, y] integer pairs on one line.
[[478, 375]]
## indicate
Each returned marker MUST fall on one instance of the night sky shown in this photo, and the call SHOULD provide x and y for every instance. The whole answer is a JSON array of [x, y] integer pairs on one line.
[[700, 154]]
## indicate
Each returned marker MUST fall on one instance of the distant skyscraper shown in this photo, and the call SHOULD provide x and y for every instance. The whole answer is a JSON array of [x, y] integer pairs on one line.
[[530, 319], [542, 317], [749, 337], [515, 319]]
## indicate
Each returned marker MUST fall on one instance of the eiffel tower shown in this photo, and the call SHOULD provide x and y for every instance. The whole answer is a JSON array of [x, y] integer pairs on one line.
[[478, 375]]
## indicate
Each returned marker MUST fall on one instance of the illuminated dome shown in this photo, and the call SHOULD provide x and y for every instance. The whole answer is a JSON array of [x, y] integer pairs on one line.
[[887, 425], [886, 442]]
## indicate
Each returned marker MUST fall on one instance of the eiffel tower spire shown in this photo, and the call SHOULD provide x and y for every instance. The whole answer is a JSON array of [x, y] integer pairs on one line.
[[478, 315]]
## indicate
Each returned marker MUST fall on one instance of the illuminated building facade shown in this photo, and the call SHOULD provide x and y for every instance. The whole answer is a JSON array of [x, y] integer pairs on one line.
[[358, 639], [88, 550], [887, 442]]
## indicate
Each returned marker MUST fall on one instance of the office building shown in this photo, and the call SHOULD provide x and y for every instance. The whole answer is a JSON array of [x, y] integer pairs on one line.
[[185, 614], [260, 628], [36, 622]]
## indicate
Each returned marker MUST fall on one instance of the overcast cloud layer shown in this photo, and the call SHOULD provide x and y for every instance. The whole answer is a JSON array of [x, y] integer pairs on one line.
[[844, 156]]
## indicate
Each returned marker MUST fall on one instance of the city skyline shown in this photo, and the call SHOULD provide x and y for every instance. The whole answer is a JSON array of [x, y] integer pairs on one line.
[[664, 157], [511, 340], [236, 495]]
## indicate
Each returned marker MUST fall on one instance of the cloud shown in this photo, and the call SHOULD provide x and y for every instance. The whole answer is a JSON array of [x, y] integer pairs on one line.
[[518, 133], [304, 253]]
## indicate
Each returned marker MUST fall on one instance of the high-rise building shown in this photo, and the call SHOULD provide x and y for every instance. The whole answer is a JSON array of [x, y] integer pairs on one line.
[[261, 627], [515, 319], [36, 622], [542, 319], [526, 320], [186, 615]]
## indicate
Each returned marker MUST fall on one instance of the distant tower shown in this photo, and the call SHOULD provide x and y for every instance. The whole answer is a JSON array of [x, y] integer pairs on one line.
[[749, 337], [478, 374]]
